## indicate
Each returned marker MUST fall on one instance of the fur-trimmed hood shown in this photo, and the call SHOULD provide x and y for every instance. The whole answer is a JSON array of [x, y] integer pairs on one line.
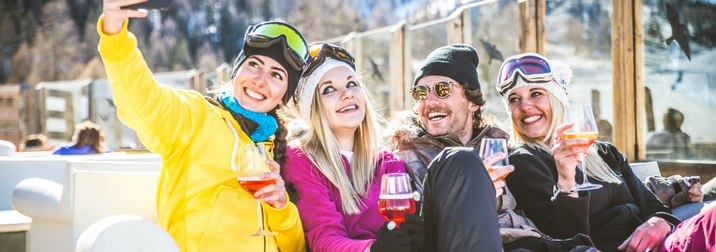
[[402, 127], [404, 130]]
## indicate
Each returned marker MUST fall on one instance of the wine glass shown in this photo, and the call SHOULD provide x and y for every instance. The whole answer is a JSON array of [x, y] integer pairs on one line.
[[490, 146], [255, 154], [585, 127], [396, 198]]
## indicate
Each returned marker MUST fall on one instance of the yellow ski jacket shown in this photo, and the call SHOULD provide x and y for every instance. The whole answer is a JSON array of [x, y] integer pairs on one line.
[[199, 200]]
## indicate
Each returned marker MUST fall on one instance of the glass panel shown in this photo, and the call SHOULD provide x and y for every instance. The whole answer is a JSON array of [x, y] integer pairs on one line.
[[372, 54], [116, 134], [680, 92], [420, 40], [335, 41], [585, 45], [494, 32]]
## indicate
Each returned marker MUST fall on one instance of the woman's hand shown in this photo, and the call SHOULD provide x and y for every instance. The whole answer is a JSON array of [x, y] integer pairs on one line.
[[648, 236], [274, 194], [566, 156], [114, 16], [497, 173], [695, 194]]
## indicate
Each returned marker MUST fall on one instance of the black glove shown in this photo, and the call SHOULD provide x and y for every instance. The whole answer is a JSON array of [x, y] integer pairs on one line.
[[395, 240], [416, 231]]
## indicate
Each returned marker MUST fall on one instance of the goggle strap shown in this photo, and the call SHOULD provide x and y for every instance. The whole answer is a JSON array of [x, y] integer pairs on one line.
[[330, 51]]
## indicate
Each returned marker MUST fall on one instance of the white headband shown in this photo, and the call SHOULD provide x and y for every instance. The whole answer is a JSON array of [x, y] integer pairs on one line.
[[307, 86]]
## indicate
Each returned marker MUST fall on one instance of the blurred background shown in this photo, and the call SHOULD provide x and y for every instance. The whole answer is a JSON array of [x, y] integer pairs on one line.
[[51, 76]]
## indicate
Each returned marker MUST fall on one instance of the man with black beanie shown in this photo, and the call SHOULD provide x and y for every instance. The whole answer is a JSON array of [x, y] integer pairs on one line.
[[446, 118], [464, 207]]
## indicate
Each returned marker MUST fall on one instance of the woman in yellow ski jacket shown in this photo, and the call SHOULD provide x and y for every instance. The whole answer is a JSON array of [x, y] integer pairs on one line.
[[201, 140]]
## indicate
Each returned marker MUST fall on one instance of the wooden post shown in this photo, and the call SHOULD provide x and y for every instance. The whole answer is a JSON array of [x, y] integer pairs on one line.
[[397, 67], [42, 109], [455, 33], [532, 35], [626, 123], [639, 87], [196, 81], [223, 74], [528, 26], [540, 15]]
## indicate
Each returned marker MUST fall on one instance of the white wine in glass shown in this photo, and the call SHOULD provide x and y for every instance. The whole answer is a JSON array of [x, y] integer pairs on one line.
[[249, 179], [491, 146], [585, 127]]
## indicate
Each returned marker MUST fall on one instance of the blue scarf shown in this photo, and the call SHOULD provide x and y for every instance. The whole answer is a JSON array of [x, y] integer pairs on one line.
[[267, 124]]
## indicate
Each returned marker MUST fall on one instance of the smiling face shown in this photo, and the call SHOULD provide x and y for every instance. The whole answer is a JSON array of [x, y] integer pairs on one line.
[[451, 115], [260, 83], [342, 100], [530, 110]]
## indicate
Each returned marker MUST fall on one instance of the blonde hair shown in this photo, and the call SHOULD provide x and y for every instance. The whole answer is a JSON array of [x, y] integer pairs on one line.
[[321, 147], [596, 167]]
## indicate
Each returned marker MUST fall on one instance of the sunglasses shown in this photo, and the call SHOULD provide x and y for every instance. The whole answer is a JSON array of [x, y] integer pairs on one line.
[[320, 51], [530, 66], [441, 89], [267, 34]]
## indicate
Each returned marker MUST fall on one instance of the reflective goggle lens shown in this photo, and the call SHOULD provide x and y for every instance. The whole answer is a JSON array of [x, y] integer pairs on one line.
[[319, 52], [442, 90], [293, 39], [314, 49], [527, 65]]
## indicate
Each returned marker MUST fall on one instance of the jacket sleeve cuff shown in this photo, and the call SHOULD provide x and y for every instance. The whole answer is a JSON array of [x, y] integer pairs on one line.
[[670, 218], [115, 47], [289, 213]]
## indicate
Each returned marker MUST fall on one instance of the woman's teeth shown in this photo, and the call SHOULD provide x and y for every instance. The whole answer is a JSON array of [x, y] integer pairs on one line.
[[351, 107], [532, 119], [255, 95]]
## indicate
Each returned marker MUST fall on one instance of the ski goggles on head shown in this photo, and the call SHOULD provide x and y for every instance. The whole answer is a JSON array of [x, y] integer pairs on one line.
[[441, 89], [318, 53], [267, 34], [530, 66]]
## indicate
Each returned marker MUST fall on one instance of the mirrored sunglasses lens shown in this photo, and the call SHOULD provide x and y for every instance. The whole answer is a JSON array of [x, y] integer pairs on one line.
[[442, 89], [420, 93]]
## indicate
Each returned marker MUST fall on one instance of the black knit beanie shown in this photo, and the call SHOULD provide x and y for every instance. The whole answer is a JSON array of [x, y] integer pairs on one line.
[[275, 52], [457, 61]]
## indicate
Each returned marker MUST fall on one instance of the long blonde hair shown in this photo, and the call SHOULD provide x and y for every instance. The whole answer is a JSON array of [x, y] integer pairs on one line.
[[321, 147], [596, 167]]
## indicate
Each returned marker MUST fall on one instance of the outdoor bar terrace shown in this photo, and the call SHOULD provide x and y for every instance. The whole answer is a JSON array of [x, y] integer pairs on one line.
[[617, 50]]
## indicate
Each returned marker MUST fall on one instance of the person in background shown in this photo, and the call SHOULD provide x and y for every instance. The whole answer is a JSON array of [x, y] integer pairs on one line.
[[337, 163], [203, 140], [35, 142], [88, 139], [671, 138], [622, 215]]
